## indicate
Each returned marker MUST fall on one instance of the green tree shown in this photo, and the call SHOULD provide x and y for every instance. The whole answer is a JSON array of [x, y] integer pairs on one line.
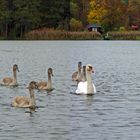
[[83, 9], [27, 15], [126, 1], [55, 13], [17, 17], [76, 25], [73, 10], [6, 17]]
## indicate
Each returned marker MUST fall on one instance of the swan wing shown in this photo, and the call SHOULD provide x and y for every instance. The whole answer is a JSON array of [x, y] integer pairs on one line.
[[20, 101], [74, 76], [7, 80], [42, 85], [82, 88]]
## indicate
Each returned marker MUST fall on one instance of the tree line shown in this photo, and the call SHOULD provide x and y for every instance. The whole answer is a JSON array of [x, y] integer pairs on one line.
[[115, 14], [112, 15], [18, 17]]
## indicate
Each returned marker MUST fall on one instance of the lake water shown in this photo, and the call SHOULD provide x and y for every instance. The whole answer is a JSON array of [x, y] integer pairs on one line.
[[113, 113]]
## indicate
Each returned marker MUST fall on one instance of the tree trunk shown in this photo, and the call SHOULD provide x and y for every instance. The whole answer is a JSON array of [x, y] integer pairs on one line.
[[6, 30]]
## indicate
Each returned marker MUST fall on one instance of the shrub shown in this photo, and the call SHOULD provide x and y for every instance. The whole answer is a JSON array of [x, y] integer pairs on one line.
[[76, 25], [122, 29], [51, 34], [124, 35]]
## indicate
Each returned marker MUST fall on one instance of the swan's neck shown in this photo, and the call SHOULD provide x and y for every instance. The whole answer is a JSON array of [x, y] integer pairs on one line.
[[84, 76], [79, 74], [89, 83], [15, 76], [49, 84], [32, 98]]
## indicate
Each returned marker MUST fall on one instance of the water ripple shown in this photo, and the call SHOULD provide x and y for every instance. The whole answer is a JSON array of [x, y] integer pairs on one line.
[[110, 114]]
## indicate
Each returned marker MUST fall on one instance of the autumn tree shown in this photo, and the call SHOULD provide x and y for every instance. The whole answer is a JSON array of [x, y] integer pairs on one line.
[[109, 13], [115, 15], [134, 12], [97, 12]]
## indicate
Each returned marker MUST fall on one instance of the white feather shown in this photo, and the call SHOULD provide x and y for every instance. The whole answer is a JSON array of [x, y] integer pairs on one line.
[[82, 88]]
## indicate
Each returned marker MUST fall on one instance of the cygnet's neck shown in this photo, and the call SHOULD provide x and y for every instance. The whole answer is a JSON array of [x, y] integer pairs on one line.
[[32, 98], [15, 76], [89, 82], [83, 76], [49, 83], [79, 74]]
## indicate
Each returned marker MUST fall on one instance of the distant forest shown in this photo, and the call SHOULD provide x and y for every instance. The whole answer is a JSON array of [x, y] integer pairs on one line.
[[20, 16]]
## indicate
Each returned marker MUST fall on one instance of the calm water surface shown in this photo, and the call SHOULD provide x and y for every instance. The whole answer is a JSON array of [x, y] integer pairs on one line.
[[113, 113]]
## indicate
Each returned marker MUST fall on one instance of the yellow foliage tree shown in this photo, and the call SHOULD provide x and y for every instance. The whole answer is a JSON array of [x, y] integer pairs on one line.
[[97, 12], [108, 13]]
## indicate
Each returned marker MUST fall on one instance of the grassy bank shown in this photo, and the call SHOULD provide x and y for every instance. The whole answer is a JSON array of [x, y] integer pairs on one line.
[[50, 34], [124, 35]]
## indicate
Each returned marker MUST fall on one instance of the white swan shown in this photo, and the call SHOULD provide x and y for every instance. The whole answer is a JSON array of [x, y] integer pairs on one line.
[[8, 81], [24, 101], [87, 87], [43, 85], [76, 76]]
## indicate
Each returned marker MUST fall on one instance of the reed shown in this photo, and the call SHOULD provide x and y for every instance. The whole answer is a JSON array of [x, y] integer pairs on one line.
[[51, 34], [124, 35]]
